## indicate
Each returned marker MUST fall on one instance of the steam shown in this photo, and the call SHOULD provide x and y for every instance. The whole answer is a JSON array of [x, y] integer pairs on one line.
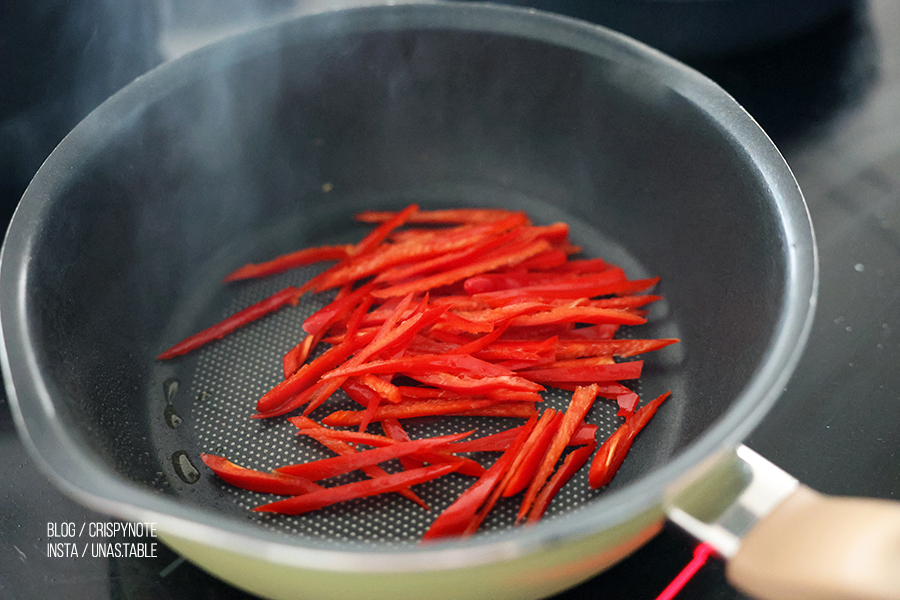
[[188, 25]]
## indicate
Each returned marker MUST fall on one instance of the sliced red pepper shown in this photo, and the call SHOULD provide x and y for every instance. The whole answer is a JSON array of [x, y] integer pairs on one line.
[[394, 430], [496, 442], [258, 481], [344, 463], [422, 393], [449, 251], [388, 337], [428, 363], [253, 312], [625, 301], [452, 215], [477, 385], [283, 398], [323, 318], [342, 448], [492, 282], [381, 232], [285, 262], [569, 349], [571, 464], [581, 403], [519, 350], [586, 265], [420, 253], [477, 345], [513, 410], [564, 285], [296, 356], [546, 261], [369, 487], [584, 434], [613, 372], [526, 464], [409, 410], [508, 255], [457, 518], [384, 389], [603, 331], [612, 452], [579, 314]]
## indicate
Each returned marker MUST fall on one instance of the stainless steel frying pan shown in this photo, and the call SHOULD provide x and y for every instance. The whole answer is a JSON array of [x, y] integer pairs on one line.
[[268, 142]]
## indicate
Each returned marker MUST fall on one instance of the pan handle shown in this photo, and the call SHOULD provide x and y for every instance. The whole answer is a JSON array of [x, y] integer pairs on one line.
[[784, 541], [816, 547]]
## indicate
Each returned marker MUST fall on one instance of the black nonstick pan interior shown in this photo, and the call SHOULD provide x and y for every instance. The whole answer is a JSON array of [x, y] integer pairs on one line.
[[271, 141]]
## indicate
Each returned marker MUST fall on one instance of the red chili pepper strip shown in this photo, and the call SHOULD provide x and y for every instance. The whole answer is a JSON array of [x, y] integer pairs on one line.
[[384, 389], [449, 250], [253, 312], [578, 363], [519, 350], [613, 372], [428, 363], [571, 464], [328, 436], [603, 331], [369, 487], [479, 385], [584, 434], [570, 349], [344, 435], [381, 232], [579, 314], [625, 301], [533, 452], [581, 403], [395, 431], [285, 396], [492, 282], [258, 481], [446, 216], [514, 410], [456, 518], [422, 393], [546, 261], [408, 410], [613, 451], [296, 356], [495, 442], [359, 392], [285, 262], [340, 447], [511, 254], [323, 318], [386, 338], [554, 284], [339, 465], [504, 313], [586, 265], [421, 253], [482, 342]]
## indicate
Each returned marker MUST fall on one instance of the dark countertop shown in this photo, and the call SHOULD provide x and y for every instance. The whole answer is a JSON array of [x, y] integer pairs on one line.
[[830, 99]]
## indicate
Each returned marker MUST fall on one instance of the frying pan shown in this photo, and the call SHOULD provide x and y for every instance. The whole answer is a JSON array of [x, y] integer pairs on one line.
[[270, 141]]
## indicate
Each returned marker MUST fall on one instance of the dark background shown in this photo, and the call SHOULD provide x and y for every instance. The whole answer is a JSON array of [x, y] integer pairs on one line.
[[825, 85]]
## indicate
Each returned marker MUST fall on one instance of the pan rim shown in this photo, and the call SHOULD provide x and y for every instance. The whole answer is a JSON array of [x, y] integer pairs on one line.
[[79, 475]]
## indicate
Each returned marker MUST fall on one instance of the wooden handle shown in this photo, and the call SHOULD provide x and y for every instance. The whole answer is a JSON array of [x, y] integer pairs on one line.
[[816, 547]]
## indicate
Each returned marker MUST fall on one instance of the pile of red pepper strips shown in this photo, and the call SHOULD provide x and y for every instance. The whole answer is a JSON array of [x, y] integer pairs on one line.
[[450, 312]]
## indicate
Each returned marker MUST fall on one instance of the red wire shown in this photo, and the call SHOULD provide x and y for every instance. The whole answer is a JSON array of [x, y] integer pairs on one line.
[[701, 553]]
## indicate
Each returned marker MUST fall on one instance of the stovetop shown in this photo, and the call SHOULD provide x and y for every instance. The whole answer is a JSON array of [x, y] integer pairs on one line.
[[830, 99]]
